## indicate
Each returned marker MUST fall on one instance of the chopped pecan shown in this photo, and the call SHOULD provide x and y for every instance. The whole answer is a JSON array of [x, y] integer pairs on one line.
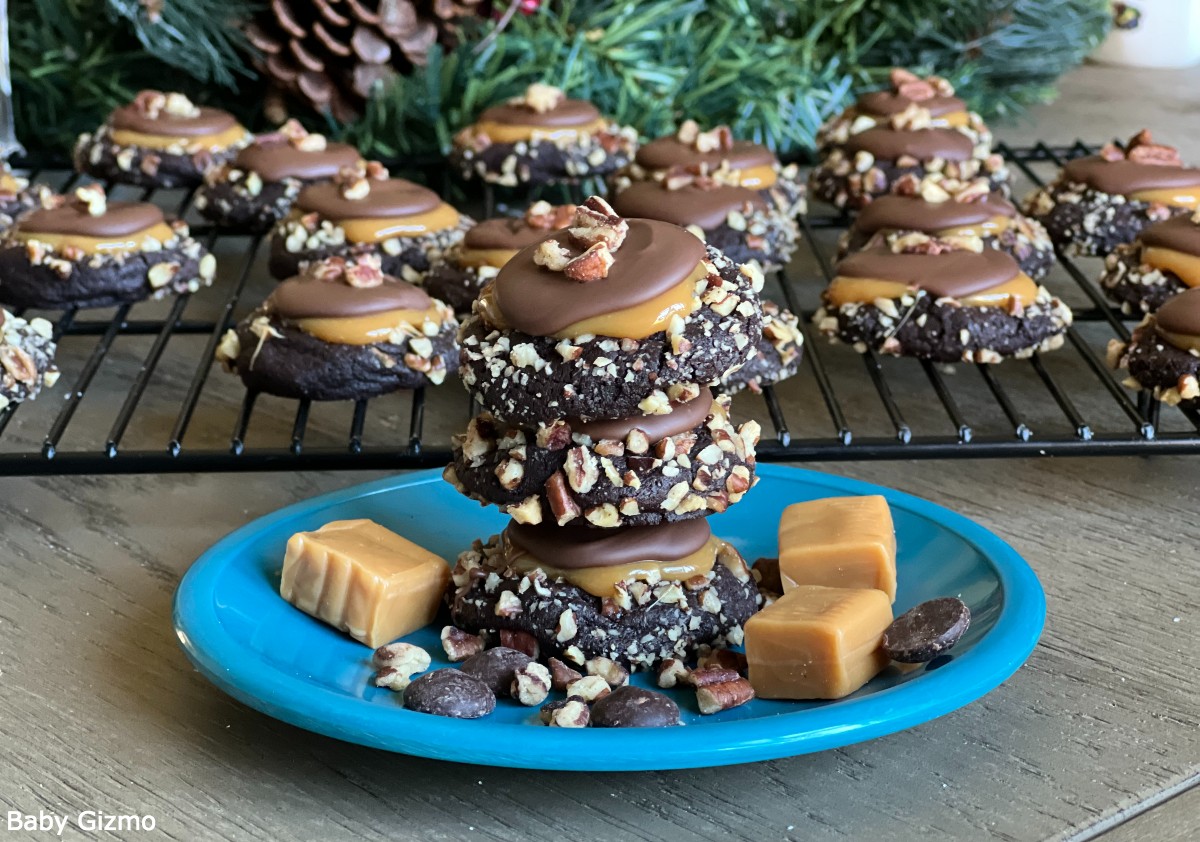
[[714, 698], [522, 641], [592, 265], [460, 645], [562, 504], [561, 675], [552, 255]]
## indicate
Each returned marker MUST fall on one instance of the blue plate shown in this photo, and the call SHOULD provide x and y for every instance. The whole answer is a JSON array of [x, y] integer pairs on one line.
[[262, 651]]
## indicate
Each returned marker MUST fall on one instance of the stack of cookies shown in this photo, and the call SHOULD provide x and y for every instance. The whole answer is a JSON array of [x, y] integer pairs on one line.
[[590, 355]]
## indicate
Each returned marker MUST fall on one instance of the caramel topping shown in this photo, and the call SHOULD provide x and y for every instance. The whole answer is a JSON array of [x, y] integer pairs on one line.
[[707, 207], [306, 297], [575, 547], [1179, 316], [112, 244], [682, 418], [757, 178], [922, 144], [512, 133], [211, 141], [1179, 197], [756, 160], [848, 290], [912, 213], [953, 274], [644, 319], [654, 264], [1127, 178], [602, 581], [1185, 266], [496, 258], [987, 228], [374, 230], [369, 329], [379, 198]]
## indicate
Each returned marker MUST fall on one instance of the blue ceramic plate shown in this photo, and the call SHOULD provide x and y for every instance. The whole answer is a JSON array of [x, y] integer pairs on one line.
[[262, 651]]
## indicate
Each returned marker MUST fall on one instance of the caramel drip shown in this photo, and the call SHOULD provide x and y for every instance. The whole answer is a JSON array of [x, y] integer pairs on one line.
[[217, 140], [117, 244], [495, 258], [602, 581], [512, 133], [843, 290], [376, 229], [365, 330], [951, 120], [757, 178], [1182, 341], [9, 183], [1179, 197], [1185, 266], [645, 319]]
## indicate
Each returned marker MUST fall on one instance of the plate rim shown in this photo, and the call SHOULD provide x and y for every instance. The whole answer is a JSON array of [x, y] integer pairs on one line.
[[990, 662]]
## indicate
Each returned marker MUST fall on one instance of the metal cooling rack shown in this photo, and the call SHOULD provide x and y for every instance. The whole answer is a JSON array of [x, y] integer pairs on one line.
[[841, 406]]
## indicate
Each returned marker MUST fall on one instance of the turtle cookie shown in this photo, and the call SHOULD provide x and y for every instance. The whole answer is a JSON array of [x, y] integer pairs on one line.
[[1102, 201], [715, 155], [645, 470], [917, 127], [342, 330], [1162, 262], [612, 318], [160, 140], [362, 211], [636, 595], [84, 251], [18, 196], [257, 188], [947, 208], [26, 358], [463, 270], [778, 357], [737, 221], [938, 301], [541, 137], [1163, 355]]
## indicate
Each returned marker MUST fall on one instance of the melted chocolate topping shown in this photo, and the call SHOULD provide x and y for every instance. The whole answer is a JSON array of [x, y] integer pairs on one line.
[[655, 257], [667, 152], [505, 232], [306, 298], [568, 113], [277, 160], [1178, 233], [393, 197], [914, 213], [120, 219], [922, 144], [1121, 178], [208, 121], [954, 274], [575, 547], [690, 205], [887, 103], [1180, 314], [681, 418]]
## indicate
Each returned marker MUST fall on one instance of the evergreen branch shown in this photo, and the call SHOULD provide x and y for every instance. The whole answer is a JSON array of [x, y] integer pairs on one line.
[[200, 37]]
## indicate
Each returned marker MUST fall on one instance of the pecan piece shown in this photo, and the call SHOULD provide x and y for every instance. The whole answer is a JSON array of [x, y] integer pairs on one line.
[[719, 696]]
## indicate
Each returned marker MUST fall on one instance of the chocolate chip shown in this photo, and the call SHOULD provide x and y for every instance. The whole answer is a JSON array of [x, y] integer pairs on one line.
[[924, 632], [633, 707], [496, 668], [449, 692]]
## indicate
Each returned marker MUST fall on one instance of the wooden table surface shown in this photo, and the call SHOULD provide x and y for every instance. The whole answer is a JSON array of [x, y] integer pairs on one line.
[[1097, 736]]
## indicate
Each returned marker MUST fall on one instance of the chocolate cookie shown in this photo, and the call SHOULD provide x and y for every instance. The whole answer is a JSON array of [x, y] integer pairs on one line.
[[918, 127], [779, 353], [463, 269], [257, 188], [26, 358], [366, 213], [160, 140], [341, 331], [736, 221], [942, 306], [637, 625], [637, 471], [87, 252], [945, 208], [541, 137], [18, 196], [714, 156], [1161, 263], [1102, 201], [519, 369], [1163, 355]]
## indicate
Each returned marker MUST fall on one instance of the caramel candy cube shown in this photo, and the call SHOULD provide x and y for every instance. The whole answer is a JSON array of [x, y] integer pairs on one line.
[[839, 542], [363, 579], [817, 643]]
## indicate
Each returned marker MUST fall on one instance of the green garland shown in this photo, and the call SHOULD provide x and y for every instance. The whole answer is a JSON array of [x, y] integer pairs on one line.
[[772, 69]]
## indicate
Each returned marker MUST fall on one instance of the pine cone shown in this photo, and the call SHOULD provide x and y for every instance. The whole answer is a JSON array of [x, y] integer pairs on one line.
[[330, 53]]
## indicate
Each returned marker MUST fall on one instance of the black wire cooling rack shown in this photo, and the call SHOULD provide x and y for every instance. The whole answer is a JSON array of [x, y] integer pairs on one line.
[[139, 392]]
